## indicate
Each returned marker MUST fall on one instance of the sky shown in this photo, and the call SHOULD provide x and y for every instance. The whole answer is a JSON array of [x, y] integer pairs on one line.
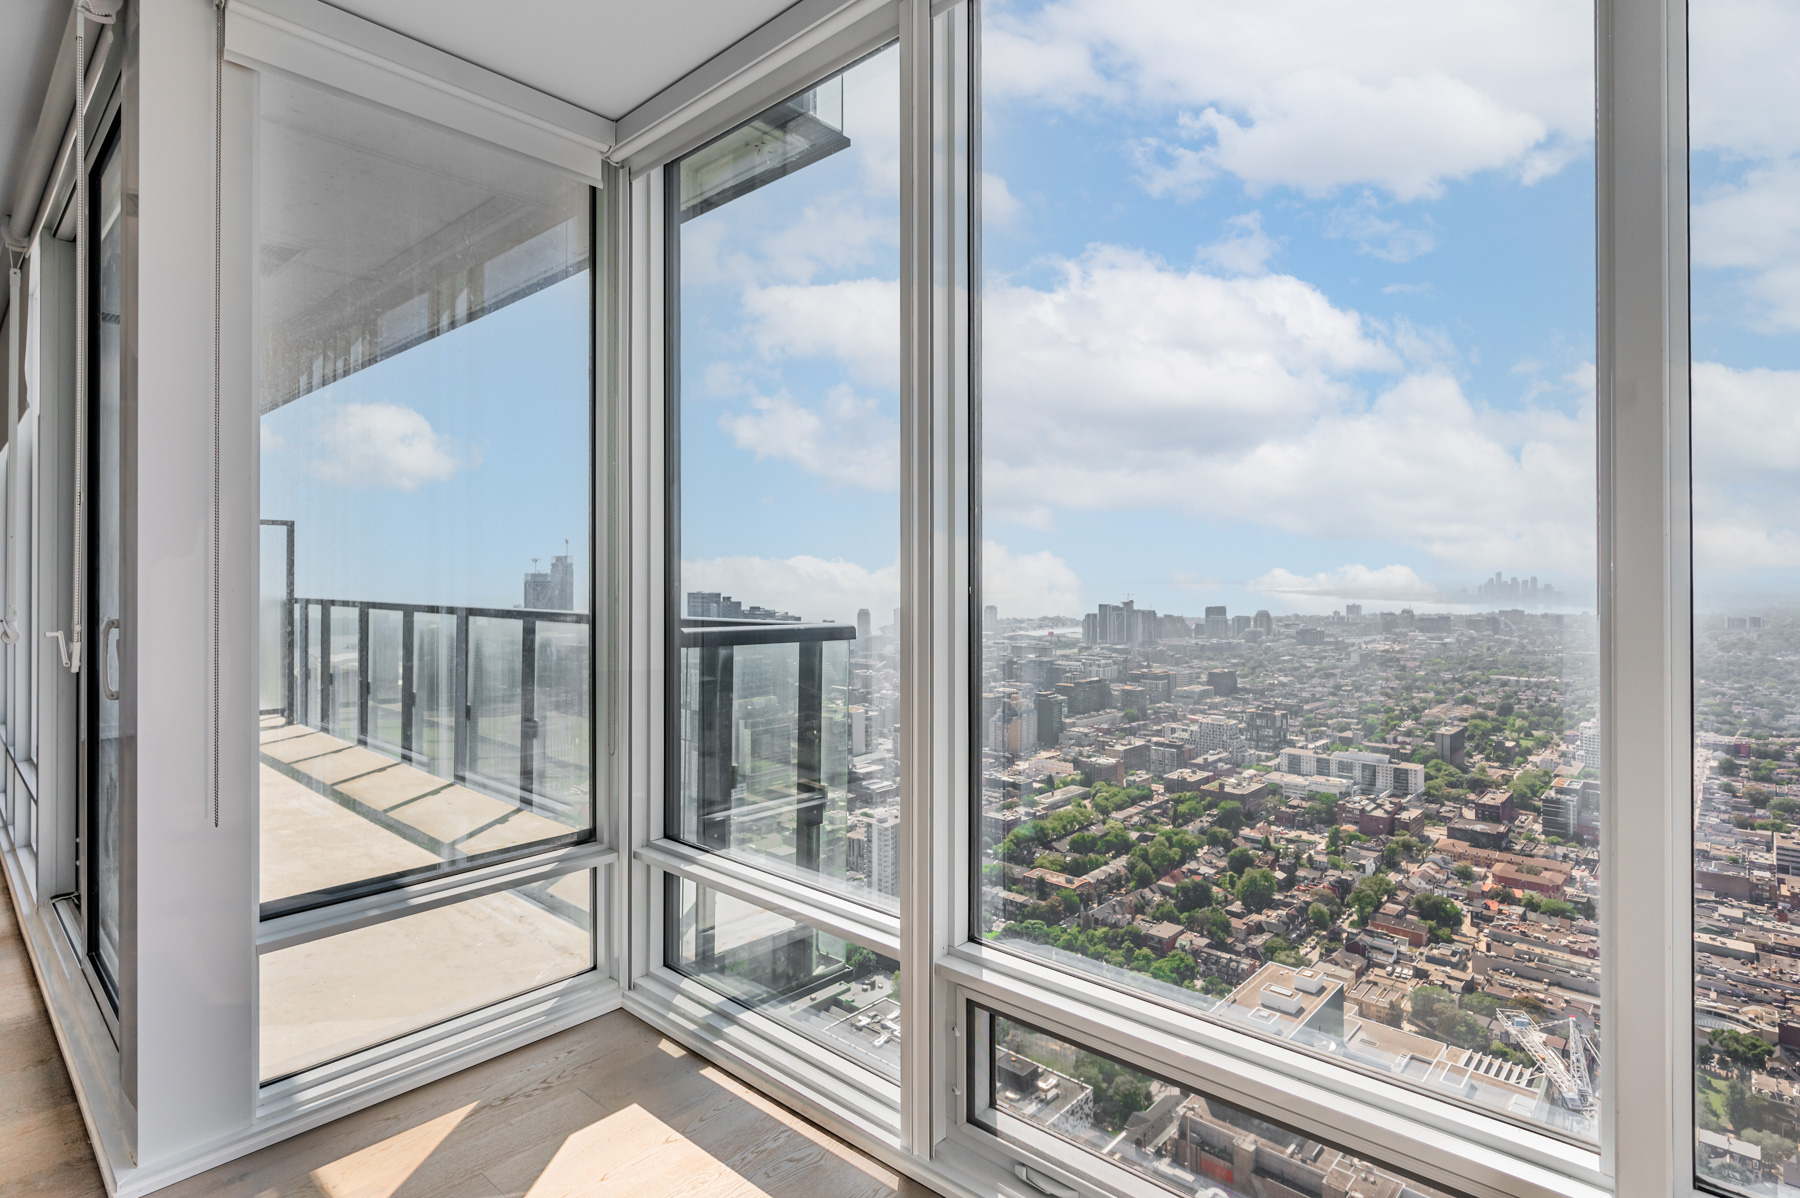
[[437, 475], [1284, 306], [1745, 228]]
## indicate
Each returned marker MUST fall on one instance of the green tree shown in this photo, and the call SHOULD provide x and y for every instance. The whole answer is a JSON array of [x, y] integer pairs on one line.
[[1217, 925], [1320, 915], [1465, 872], [1256, 889], [1193, 893], [1230, 816], [1239, 860]]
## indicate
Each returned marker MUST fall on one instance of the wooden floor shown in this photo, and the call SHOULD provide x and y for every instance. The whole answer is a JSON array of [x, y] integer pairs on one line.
[[607, 1108]]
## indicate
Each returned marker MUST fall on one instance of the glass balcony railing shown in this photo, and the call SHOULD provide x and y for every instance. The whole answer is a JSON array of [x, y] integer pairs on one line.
[[765, 750]]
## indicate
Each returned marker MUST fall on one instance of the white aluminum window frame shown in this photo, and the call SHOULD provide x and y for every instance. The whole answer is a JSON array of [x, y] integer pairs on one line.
[[1642, 511], [322, 46]]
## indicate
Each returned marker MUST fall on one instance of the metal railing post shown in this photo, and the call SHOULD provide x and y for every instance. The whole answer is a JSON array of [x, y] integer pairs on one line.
[[362, 673], [407, 699], [327, 676], [713, 733], [528, 729], [809, 786], [460, 698]]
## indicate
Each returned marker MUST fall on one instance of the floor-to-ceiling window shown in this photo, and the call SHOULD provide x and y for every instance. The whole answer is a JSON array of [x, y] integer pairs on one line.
[[1745, 194], [426, 635], [1287, 684], [784, 523]]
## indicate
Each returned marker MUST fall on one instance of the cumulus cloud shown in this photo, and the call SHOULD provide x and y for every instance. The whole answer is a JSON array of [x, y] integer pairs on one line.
[[856, 321], [1751, 228], [1028, 584], [1746, 440], [812, 588], [1375, 235], [1395, 584], [1245, 249], [1744, 90], [383, 444], [848, 441], [1404, 95]]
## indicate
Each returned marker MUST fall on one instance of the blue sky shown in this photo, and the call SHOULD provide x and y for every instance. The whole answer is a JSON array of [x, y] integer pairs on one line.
[[1285, 306], [1274, 332], [437, 475]]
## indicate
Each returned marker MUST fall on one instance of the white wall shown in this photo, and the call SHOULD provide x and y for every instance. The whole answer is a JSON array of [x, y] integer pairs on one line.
[[192, 1035]]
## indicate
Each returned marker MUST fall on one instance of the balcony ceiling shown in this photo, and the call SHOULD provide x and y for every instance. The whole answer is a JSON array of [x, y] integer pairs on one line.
[[29, 33], [607, 56]]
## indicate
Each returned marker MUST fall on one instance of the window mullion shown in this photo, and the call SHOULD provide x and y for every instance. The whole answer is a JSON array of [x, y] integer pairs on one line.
[[1646, 665]]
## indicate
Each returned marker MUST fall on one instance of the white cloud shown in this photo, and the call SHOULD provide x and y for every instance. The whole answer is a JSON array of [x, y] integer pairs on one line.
[[1404, 95], [856, 321], [382, 444], [1389, 240], [999, 207], [1131, 385], [1395, 584], [812, 588], [1744, 91], [848, 442], [1244, 250], [1029, 584], [1746, 493], [1753, 227]]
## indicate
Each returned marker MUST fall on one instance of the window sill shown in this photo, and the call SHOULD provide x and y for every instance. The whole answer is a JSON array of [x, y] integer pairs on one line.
[[1411, 1131]]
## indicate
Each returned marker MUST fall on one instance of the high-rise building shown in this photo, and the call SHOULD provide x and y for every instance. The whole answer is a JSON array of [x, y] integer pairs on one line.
[[1240, 625], [1120, 624], [884, 854], [1218, 626], [554, 589], [710, 605], [1223, 682], [1051, 710], [1452, 743], [1263, 622], [1267, 728], [1352, 611], [1590, 745], [990, 616], [864, 630]]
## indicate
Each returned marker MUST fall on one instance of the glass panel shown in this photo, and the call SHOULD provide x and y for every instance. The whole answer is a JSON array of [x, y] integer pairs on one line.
[[1745, 192], [339, 995], [786, 589], [104, 615], [835, 993], [1268, 396], [561, 743], [1027, 1081], [275, 629], [386, 626], [425, 393]]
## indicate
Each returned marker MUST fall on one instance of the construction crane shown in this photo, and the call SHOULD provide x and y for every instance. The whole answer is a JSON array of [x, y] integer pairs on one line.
[[1568, 1075]]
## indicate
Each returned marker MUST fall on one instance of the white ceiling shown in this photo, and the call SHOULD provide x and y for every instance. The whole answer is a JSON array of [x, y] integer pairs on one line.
[[29, 33], [607, 56]]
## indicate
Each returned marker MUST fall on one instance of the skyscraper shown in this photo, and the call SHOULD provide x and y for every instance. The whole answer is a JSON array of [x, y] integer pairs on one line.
[[552, 590], [863, 628], [884, 854]]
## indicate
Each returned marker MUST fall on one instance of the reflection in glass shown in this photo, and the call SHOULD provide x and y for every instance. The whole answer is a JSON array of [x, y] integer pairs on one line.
[[425, 421], [1288, 648], [835, 993], [786, 589], [1186, 1142], [105, 613], [350, 991], [1745, 191]]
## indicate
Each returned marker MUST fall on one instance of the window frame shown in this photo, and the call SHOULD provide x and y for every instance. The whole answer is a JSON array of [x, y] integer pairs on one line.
[[1641, 513], [389, 73]]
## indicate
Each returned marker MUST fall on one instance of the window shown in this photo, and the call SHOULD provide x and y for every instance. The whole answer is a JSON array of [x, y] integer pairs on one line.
[[1287, 692], [783, 253], [1745, 188], [839, 995], [1028, 1085], [425, 622]]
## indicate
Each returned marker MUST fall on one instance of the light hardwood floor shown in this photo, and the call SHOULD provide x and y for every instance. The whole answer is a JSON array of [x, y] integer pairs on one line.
[[608, 1108]]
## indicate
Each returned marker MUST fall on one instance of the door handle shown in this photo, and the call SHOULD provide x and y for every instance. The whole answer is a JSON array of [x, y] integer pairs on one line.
[[106, 631]]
